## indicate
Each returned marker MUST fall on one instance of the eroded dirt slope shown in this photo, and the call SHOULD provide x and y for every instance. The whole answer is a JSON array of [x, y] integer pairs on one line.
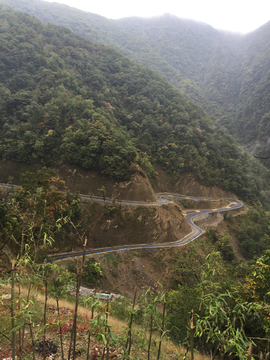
[[114, 224], [187, 185]]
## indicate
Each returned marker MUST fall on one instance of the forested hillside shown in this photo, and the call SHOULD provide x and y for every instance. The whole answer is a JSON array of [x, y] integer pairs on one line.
[[226, 74], [111, 32], [65, 99], [254, 86], [197, 50]]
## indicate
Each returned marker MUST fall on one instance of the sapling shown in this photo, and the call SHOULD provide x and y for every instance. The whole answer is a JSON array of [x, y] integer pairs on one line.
[[45, 321], [106, 329], [19, 287], [36, 269], [151, 308], [224, 317], [191, 336], [107, 345], [61, 279], [128, 343], [12, 303], [25, 317], [162, 331], [249, 351], [32, 339], [60, 328], [74, 327], [93, 303], [26, 261]]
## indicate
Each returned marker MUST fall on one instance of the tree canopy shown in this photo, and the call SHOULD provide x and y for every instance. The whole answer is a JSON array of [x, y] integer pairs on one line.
[[67, 100]]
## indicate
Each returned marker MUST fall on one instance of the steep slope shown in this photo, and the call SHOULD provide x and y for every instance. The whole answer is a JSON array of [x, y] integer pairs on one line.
[[226, 74], [254, 85], [67, 100], [187, 45], [198, 51], [232, 71], [109, 32]]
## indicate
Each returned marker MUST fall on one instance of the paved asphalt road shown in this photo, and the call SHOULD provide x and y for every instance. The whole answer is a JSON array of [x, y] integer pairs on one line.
[[163, 198], [196, 231]]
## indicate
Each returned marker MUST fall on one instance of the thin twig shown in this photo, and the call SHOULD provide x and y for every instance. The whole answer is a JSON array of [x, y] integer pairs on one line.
[[5, 336], [12, 303]]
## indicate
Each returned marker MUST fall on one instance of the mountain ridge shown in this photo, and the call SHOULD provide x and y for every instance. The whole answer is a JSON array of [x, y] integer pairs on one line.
[[222, 72], [65, 99]]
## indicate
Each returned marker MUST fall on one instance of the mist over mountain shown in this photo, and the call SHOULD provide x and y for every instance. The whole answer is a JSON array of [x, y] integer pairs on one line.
[[123, 110], [226, 74], [112, 33], [65, 99]]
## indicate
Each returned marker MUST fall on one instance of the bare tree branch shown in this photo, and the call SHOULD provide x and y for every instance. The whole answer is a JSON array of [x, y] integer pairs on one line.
[[261, 157]]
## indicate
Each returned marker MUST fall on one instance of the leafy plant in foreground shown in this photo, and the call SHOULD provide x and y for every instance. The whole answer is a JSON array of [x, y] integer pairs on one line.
[[221, 321]]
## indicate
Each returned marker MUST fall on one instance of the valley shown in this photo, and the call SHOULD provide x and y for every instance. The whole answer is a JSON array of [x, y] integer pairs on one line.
[[126, 162]]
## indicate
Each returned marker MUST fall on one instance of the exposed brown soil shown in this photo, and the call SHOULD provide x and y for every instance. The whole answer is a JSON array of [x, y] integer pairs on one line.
[[87, 182], [112, 225], [137, 188], [125, 270], [216, 221], [187, 185], [201, 204]]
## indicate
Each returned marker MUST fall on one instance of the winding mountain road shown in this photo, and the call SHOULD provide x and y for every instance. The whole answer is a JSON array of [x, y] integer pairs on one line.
[[163, 198]]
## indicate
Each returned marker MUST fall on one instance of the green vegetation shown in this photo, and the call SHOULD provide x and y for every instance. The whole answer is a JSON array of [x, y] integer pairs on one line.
[[252, 231], [37, 212], [226, 74], [227, 310], [67, 100], [92, 272], [227, 299]]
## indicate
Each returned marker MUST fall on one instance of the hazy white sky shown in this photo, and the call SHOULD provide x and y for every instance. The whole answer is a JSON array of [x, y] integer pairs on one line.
[[234, 15]]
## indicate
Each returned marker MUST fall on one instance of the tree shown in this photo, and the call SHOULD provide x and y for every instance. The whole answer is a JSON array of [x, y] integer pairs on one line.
[[60, 281], [222, 316], [38, 208], [102, 192], [258, 280]]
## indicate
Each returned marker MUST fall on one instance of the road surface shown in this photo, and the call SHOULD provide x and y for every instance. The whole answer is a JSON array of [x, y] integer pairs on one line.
[[163, 198]]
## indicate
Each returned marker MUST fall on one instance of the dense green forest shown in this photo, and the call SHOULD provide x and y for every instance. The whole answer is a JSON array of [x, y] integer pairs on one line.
[[65, 99], [226, 74], [112, 33]]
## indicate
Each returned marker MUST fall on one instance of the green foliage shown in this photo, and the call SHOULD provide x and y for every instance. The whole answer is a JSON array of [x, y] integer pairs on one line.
[[172, 47], [110, 258], [121, 308], [179, 305], [60, 281], [222, 244], [40, 210], [102, 192], [92, 273], [63, 101], [222, 316], [258, 279], [187, 204], [252, 231], [226, 74], [144, 161]]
